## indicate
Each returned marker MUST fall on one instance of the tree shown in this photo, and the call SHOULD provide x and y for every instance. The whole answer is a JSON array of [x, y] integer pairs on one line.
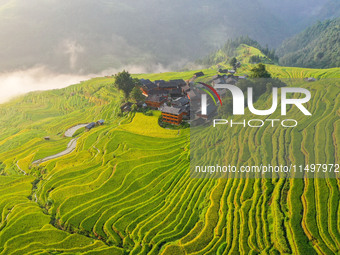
[[125, 83], [259, 71], [137, 95], [255, 59], [233, 62]]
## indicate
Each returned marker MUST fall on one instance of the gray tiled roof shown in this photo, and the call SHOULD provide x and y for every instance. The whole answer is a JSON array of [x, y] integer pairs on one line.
[[171, 110]]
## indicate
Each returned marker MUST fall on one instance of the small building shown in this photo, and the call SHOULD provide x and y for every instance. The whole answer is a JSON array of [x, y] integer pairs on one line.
[[193, 95], [175, 92], [157, 92], [47, 138], [90, 126], [231, 80], [147, 86], [186, 111], [185, 89], [220, 80], [180, 102], [223, 70], [178, 82], [242, 77], [155, 101], [100, 122], [172, 115], [198, 74], [310, 79], [166, 85], [126, 107], [232, 71]]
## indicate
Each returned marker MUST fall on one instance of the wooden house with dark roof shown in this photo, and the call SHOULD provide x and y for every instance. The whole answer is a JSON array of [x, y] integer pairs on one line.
[[179, 82], [198, 74], [175, 92], [180, 102], [172, 115], [147, 86], [165, 85], [155, 101]]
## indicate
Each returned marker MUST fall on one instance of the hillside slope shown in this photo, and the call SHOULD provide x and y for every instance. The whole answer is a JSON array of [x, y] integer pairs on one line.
[[126, 189]]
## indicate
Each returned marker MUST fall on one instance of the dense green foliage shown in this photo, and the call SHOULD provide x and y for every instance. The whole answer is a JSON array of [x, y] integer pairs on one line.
[[316, 47], [137, 95], [259, 71], [125, 83]]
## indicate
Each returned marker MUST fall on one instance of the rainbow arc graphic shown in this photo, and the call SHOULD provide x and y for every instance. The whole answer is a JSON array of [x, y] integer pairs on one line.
[[206, 90]]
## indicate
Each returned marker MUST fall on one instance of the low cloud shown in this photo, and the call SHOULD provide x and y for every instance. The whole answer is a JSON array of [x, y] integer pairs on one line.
[[19, 82], [136, 69], [16, 83]]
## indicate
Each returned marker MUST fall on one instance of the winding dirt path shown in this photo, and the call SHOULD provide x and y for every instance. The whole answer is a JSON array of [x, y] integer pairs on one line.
[[70, 146]]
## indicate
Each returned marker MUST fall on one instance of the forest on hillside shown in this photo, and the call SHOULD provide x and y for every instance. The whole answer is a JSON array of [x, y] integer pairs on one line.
[[316, 47]]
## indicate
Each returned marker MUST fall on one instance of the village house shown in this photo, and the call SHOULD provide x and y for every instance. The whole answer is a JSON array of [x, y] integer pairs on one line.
[[193, 96], [185, 89], [175, 92], [90, 126], [180, 102], [198, 74], [310, 79], [166, 85], [231, 80], [220, 80], [223, 70], [178, 82], [171, 88], [100, 122], [172, 115], [126, 107], [155, 101], [147, 86]]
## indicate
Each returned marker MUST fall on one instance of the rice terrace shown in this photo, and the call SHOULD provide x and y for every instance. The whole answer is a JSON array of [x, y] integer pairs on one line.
[[126, 187]]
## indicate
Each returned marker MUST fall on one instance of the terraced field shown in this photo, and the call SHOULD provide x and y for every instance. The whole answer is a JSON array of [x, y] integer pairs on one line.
[[126, 188]]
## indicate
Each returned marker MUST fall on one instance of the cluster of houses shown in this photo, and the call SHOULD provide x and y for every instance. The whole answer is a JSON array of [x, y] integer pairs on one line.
[[173, 98], [170, 97]]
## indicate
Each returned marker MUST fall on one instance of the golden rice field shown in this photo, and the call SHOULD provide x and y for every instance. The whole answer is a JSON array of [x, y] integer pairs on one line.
[[127, 189]]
